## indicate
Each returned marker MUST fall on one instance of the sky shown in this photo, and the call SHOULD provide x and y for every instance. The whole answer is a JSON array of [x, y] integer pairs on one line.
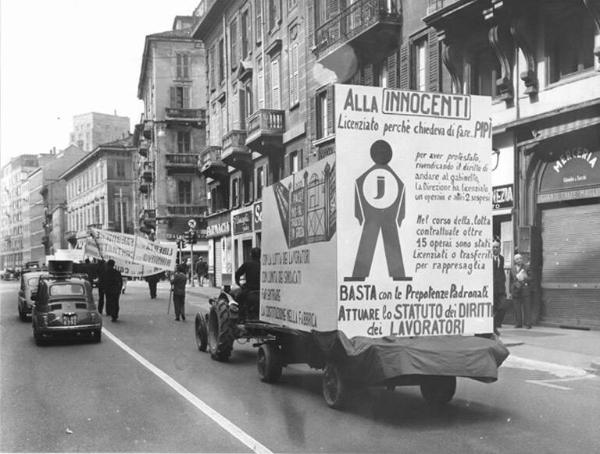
[[60, 58]]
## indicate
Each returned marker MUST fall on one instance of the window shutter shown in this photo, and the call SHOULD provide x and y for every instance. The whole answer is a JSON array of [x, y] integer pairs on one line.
[[275, 92], [313, 117], [179, 66], [242, 103], [434, 61], [186, 66], [233, 42], [173, 96], [258, 12], [392, 67], [186, 97], [404, 80], [330, 111], [368, 75], [294, 74]]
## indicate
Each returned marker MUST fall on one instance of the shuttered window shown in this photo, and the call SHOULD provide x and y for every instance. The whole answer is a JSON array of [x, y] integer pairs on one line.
[[261, 83], [180, 97], [233, 39], [183, 66], [294, 79], [275, 89]]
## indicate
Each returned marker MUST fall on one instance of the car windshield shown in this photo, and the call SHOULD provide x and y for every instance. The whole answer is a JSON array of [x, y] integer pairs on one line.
[[67, 290]]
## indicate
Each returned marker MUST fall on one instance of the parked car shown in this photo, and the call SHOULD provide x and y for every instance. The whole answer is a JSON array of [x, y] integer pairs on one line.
[[28, 289], [64, 305], [8, 274]]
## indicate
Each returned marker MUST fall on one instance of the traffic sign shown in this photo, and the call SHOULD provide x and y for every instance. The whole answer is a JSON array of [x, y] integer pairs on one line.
[[192, 223]]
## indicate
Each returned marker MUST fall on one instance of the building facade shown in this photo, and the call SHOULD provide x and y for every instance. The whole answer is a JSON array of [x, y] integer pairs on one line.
[[15, 243], [100, 191], [93, 129], [171, 135]]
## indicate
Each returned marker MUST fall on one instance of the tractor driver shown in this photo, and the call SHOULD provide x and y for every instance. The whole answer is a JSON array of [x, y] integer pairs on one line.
[[249, 295]]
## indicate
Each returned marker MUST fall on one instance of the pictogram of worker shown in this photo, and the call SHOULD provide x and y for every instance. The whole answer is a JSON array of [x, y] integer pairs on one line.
[[379, 206]]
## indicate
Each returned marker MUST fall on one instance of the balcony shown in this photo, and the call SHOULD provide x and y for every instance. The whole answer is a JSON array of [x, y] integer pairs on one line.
[[265, 130], [191, 117], [186, 210], [235, 153], [147, 175], [181, 162], [144, 188], [144, 147], [434, 6], [211, 165], [147, 131], [371, 27]]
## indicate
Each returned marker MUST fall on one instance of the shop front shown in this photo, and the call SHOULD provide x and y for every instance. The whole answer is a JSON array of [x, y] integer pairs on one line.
[[218, 234], [564, 236], [246, 224]]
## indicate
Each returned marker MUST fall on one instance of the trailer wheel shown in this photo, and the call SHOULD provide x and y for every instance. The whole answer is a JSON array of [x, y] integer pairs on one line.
[[220, 331], [438, 390], [335, 388], [201, 332], [268, 362]]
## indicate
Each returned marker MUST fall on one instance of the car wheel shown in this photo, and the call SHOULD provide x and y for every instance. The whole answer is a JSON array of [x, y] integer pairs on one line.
[[438, 390], [268, 362]]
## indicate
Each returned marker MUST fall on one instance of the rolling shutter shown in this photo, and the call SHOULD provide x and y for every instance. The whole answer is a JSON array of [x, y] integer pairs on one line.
[[571, 265], [392, 67], [434, 61], [404, 79]]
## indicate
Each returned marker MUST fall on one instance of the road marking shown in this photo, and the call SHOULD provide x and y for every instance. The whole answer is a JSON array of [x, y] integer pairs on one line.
[[551, 382], [221, 420], [559, 370], [549, 385]]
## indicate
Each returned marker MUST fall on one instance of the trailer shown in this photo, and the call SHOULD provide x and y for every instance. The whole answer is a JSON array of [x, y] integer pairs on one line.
[[376, 262]]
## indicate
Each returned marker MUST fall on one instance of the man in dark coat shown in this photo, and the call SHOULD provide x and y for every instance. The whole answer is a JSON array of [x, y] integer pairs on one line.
[[178, 282], [499, 285], [201, 270], [152, 283], [101, 270], [248, 297], [113, 282]]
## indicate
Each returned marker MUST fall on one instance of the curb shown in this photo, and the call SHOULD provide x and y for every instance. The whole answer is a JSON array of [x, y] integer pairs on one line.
[[594, 368]]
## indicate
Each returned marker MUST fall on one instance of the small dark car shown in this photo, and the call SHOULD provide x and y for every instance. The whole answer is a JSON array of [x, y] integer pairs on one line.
[[28, 290], [64, 305]]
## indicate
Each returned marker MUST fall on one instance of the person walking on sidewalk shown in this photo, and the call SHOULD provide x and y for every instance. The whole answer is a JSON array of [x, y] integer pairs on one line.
[[113, 283], [201, 271], [519, 288], [499, 286], [178, 282]]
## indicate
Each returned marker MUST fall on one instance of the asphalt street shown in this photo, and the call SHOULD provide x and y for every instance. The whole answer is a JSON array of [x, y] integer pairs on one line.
[[147, 388]]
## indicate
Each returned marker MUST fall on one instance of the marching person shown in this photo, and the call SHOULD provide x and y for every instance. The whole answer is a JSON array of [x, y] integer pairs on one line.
[[499, 285], [178, 282], [153, 282], [113, 283], [519, 289]]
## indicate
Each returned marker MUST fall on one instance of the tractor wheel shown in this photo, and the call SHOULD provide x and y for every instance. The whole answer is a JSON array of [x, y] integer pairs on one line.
[[438, 390], [220, 331], [201, 332], [268, 362], [335, 388]]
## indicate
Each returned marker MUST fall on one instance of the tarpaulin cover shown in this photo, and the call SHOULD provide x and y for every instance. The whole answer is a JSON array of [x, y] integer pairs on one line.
[[374, 360]]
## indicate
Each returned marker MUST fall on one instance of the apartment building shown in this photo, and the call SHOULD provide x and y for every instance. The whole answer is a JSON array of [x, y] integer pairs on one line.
[[258, 109], [100, 191], [46, 199], [171, 134], [92, 129]]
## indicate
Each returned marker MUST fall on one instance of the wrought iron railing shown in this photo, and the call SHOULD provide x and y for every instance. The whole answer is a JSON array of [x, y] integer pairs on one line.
[[188, 210], [267, 120], [182, 159], [353, 20], [436, 5], [192, 114]]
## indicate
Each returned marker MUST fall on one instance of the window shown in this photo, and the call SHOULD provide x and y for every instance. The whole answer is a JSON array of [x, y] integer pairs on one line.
[[183, 142], [120, 169], [322, 114], [259, 23], [274, 13], [233, 43], [221, 61], [211, 67], [275, 92], [184, 192], [294, 79], [180, 97], [247, 186], [380, 74], [246, 33], [224, 119], [419, 76], [235, 193], [183, 66], [570, 43], [294, 162], [261, 83], [485, 70], [245, 100], [260, 181]]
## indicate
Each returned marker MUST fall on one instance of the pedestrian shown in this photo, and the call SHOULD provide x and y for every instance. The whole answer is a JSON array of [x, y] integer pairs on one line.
[[178, 282], [113, 283], [201, 271], [100, 284], [499, 286], [152, 283], [520, 281]]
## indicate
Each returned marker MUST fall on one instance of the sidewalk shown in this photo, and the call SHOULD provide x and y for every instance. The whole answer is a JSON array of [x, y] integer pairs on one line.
[[567, 347]]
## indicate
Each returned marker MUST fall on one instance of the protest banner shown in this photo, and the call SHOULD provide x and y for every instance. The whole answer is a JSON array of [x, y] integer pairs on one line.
[[405, 238]]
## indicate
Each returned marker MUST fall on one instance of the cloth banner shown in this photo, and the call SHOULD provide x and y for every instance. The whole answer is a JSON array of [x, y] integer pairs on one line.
[[134, 256]]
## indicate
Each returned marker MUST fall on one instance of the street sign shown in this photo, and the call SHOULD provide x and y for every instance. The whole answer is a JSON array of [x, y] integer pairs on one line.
[[192, 223]]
